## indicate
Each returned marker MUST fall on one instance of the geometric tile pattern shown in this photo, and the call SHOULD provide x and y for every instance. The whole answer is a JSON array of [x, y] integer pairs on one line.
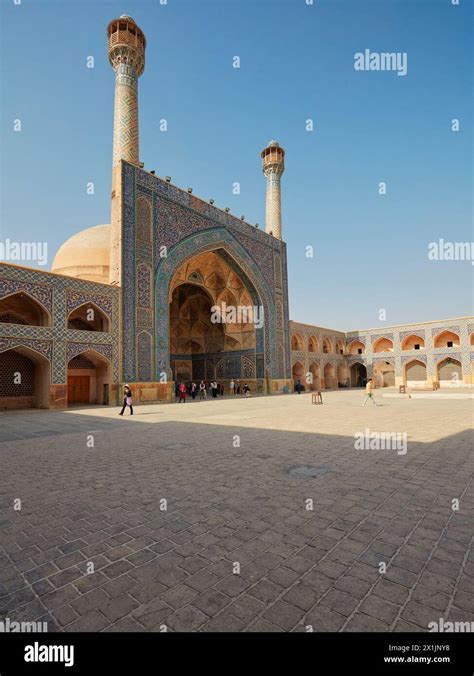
[[144, 224], [43, 347], [187, 225], [144, 286], [144, 368], [437, 330], [62, 294], [73, 349], [43, 294], [75, 299], [430, 355], [273, 203], [320, 358], [125, 115]]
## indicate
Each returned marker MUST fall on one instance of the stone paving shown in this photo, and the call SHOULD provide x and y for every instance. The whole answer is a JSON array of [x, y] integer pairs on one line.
[[237, 548]]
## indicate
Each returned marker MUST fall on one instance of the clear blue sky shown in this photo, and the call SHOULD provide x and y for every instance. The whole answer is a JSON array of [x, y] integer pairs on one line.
[[370, 251]]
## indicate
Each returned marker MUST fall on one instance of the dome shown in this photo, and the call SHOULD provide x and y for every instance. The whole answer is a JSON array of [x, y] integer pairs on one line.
[[85, 255]]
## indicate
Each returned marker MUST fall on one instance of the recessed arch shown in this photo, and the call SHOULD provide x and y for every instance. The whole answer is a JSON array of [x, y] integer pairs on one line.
[[412, 342], [21, 308], [358, 374], [298, 373], [414, 373], [446, 339], [88, 317], [342, 375], [382, 344], [339, 346], [328, 347], [210, 319], [315, 371], [355, 347], [384, 373], [89, 376], [221, 242], [449, 372], [25, 377], [329, 376], [297, 342], [313, 344]]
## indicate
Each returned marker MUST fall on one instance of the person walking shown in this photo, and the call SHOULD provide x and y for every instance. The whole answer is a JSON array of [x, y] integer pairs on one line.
[[193, 390], [238, 387], [214, 389], [127, 400], [182, 393], [202, 390], [298, 386], [369, 388], [176, 390], [232, 387], [246, 390]]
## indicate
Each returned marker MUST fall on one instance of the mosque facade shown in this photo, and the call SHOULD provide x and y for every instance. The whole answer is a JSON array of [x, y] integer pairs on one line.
[[135, 301]]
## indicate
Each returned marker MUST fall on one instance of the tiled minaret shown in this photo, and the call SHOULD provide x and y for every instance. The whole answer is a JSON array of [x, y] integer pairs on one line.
[[273, 165], [126, 46]]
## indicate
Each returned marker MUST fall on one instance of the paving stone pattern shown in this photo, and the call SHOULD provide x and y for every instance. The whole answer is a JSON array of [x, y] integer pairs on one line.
[[246, 505]]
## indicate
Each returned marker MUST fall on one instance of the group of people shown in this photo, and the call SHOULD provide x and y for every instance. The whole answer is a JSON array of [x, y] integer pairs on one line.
[[216, 389], [236, 388], [212, 389]]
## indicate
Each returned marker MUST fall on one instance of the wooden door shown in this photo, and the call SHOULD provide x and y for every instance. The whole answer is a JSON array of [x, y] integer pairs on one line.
[[78, 389]]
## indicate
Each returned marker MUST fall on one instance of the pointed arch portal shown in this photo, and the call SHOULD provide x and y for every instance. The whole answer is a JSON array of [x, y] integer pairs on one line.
[[213, 266]]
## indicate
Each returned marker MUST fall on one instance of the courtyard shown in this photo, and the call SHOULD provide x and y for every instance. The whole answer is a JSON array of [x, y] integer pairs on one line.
[[238, 514]]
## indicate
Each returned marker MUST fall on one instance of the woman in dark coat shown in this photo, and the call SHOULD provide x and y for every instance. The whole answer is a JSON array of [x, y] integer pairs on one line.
[[127, 400]]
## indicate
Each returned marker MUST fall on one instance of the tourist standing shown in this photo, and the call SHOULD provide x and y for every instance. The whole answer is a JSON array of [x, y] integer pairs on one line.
[[246, 390], [182, 393], [298, 386], [232, 387], [202, 390], [214, 389], [193, 390], [369, 389], [127, 400], [238, 387]]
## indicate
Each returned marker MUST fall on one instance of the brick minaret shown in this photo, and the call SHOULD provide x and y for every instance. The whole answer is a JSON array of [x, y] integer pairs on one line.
[[126, 47], [273, 165]]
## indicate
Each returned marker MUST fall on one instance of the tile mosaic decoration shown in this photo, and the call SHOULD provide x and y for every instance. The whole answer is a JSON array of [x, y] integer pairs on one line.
[[430, 355], [186, 226], [62, 294]]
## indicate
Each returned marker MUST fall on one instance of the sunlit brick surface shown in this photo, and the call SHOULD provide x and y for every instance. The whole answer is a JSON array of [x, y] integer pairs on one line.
[[228, 504]]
